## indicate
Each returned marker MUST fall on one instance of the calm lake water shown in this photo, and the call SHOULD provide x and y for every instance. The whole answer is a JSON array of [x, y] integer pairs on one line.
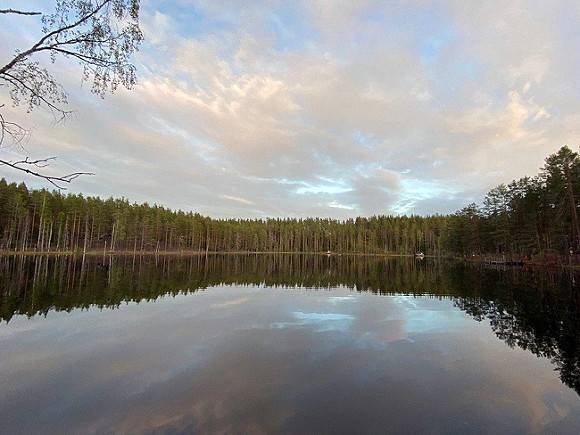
[[285, 344]]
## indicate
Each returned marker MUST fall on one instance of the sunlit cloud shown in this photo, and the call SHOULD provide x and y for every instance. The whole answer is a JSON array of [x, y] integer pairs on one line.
[[300, 109]]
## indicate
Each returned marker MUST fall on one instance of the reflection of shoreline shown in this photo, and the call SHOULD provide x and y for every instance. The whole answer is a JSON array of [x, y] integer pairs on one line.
[[536, 310], [525, 265], [368, 273]]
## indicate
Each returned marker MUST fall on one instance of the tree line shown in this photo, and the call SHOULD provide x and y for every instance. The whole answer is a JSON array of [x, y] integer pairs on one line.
[[45, 221], [530, 216]]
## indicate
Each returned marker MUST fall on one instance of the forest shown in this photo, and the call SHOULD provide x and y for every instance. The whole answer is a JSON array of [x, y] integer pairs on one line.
[[533, 217]]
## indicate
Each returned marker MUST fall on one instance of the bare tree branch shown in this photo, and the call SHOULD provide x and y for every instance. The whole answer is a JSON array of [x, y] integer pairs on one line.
[[7, 128], [14, 11], [30, 167]]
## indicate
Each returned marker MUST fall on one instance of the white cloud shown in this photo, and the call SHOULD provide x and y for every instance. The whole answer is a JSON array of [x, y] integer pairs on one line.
[[325, 110]]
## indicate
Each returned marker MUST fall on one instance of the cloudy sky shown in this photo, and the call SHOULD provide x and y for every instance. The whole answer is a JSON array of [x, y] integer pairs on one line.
[[319, 107]]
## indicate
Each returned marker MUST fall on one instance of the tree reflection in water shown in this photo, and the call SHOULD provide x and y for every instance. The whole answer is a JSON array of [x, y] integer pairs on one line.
[[536, 310]]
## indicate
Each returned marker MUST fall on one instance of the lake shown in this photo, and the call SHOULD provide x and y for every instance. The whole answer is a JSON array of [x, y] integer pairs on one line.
[[286, 344]]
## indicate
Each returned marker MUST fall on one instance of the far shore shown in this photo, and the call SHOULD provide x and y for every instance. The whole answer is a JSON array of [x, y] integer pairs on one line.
[[96, 253], [538, 263]]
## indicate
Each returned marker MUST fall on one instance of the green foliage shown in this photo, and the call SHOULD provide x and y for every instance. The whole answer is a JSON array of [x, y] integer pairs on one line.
[[525, 217], [43, 221], [528, 216]]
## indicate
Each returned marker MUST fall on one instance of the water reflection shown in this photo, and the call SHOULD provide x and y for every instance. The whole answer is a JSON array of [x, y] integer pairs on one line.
[[283, 344]]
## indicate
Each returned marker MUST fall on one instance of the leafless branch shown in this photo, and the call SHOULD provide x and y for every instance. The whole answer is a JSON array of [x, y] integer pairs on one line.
[[14, 11], [30, 167], [11, 129]]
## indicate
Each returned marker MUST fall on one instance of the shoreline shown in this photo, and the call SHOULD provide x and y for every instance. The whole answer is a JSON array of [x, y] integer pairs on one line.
[[186, 253]]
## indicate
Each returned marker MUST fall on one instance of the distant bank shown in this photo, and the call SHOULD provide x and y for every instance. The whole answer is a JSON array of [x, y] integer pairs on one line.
[[533, 219]]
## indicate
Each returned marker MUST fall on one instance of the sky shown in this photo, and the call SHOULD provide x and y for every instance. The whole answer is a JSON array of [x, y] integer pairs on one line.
[[316, 107]]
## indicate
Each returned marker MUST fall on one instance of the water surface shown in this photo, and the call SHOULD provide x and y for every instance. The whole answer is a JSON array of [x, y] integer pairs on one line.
[[285, 344]]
